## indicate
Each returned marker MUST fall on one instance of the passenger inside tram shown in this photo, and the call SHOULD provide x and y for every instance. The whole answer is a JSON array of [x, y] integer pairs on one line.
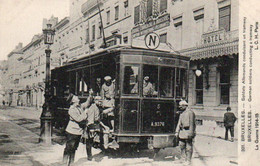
[[148, 88]]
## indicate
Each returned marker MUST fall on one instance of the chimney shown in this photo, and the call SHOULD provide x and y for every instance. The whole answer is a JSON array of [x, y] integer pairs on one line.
[[19, 46]]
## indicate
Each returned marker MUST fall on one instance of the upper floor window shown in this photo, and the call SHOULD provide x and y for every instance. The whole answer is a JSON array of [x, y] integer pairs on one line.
[[163, 38], [93, 32], [116, 12], [87, 35], [198, 14], [108, 17], [137, 14], [224, 17], [177, 21], [163, 5], [149, 8]]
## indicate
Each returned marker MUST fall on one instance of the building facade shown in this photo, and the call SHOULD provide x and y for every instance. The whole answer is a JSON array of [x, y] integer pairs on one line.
[[205, 30]]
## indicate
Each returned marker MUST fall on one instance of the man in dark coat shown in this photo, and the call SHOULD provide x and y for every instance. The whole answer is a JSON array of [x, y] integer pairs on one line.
[[229, 123]]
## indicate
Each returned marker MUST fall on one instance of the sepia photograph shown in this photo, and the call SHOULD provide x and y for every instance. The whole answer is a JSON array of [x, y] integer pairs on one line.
[[122, 82]]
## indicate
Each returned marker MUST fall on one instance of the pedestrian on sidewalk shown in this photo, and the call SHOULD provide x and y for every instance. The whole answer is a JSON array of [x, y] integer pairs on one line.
[[229, 123], [185, 131], [74, 128]]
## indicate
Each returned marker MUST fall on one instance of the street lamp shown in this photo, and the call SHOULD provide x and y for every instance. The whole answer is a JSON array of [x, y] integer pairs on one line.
[[46, 116]]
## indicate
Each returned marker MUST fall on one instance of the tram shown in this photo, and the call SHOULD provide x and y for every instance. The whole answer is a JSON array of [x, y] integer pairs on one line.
[[143, 119]]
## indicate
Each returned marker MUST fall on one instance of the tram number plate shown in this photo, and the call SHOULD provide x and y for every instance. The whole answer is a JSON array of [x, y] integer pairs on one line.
[[157, 124]]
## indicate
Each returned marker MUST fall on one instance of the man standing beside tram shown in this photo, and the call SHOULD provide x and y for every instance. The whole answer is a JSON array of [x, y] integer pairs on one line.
[[185, 131]]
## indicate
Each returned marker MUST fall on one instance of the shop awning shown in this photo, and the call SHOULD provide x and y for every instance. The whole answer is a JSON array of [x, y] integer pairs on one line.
[[210, 51]]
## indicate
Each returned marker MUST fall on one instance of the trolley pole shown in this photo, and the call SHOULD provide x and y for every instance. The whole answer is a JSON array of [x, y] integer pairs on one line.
[[46, 116]]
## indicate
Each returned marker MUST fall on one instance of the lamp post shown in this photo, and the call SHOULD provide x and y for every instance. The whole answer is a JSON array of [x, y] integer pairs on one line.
[[46, 116]]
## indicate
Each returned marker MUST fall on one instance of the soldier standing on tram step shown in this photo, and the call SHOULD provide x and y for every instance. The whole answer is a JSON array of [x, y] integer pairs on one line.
[[185, 130], [229, 123], [108, 95]]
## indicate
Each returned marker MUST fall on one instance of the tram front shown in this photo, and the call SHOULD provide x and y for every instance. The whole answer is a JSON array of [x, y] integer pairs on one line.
[[152, 84]]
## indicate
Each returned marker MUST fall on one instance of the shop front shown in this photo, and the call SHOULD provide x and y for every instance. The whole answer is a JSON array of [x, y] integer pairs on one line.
[[213, 77]]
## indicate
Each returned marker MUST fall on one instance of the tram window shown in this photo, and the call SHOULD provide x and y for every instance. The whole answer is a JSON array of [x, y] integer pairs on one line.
[[180, 83], [150, 81], [131, 80], [72, 78], [167, 75]]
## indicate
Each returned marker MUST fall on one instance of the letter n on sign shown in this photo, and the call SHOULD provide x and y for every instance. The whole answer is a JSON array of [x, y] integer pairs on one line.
[[152, 40]]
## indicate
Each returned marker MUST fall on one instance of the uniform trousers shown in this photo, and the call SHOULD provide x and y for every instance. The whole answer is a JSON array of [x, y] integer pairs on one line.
[[186, 149], [71, 147]]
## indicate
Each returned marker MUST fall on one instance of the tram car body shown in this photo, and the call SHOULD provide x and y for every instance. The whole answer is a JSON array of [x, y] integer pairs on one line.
[[148, 120]]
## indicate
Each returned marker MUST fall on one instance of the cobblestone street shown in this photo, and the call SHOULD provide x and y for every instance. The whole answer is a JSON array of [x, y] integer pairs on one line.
[[20, 133]]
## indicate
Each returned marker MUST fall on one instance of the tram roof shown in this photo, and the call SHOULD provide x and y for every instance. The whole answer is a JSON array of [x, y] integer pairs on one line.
[[126, 50]]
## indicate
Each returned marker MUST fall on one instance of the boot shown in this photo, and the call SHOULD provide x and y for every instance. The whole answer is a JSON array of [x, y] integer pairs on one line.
[[89, 153], [65, 157], [71, 158], [232, 139]]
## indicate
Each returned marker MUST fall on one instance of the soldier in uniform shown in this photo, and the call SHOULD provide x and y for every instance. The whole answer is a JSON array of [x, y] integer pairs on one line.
[[108, 96], [229, 123], [185, 131]]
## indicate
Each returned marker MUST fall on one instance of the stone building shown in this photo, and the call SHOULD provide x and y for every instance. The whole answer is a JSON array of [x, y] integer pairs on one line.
[[207, 31], [3, 80], [12, 82]]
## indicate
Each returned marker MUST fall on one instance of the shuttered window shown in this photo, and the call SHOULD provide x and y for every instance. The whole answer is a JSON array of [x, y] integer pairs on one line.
[[224, 17], [163, 5], [137, 14], [149, 8]]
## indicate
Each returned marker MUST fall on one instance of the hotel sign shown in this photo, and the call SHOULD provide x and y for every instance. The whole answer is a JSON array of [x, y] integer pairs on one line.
[[152, 25], [213, 37]]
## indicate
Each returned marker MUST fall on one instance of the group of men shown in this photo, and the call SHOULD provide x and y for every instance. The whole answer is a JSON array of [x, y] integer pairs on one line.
[[100, 115]]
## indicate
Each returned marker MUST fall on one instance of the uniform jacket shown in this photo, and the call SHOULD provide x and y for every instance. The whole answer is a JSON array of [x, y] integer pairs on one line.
[[77, 115], [107, 92], [229, 119], [148, 89], [93, 114], [186, 125]]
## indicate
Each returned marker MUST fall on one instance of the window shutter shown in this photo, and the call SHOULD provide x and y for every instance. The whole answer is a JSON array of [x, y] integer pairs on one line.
[[163, 5], [224, 18], [137, 14]]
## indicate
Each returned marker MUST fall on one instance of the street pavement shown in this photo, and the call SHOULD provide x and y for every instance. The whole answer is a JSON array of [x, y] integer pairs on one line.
[[19, 134]]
